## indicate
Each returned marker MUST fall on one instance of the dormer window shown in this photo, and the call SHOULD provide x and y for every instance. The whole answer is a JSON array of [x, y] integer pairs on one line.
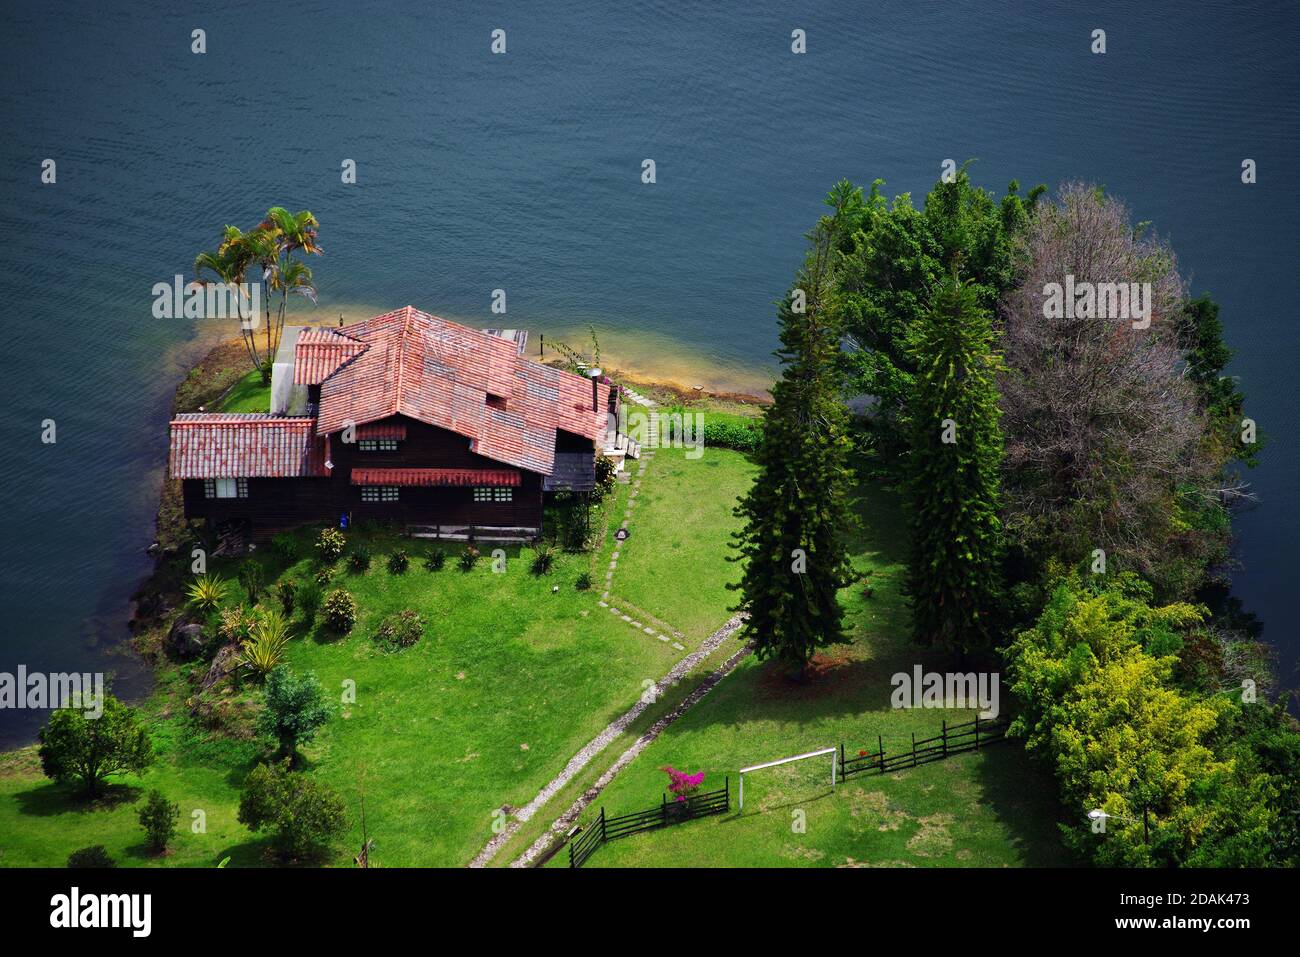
[[377, 445]]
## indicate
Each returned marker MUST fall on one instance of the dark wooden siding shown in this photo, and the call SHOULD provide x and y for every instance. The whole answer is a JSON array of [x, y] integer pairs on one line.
[[281, 503]]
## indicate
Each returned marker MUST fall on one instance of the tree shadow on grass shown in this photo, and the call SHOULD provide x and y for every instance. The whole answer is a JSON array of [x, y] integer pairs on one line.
[[49, 800], [1023, 796], [840, 685], [255, 852]]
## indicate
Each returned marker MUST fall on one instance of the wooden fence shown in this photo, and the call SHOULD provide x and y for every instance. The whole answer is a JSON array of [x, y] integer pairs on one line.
[[584, 844], [954, 739]]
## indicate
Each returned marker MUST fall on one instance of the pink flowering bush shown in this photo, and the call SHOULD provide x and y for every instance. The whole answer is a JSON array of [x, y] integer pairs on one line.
[[683, 785]]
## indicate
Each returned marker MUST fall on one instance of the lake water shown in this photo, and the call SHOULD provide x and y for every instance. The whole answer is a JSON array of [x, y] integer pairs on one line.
[[522, 172]]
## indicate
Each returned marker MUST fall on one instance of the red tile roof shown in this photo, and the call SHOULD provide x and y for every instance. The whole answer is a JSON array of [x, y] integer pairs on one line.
[[254, 445], [319, 353], [488, 477], [442, 373]]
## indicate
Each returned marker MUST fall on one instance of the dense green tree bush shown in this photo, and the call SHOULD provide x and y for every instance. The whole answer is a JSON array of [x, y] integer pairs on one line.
[[295, 709], [159, 816], [303, 816], [74, 747]]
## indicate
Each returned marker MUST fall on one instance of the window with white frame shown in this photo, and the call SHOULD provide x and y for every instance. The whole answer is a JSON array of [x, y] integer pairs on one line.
[[489, 494], [379, 493], [225, 488], [377, 445]]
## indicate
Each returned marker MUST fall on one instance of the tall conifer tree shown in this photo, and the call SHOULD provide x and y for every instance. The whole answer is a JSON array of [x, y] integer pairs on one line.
[[953, 473], [796, 513]]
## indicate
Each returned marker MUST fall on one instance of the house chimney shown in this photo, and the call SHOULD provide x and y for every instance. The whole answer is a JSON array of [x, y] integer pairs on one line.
[[595, 379]]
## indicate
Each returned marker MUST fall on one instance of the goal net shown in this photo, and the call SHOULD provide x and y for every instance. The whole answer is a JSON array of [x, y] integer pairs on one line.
[[773, 782]]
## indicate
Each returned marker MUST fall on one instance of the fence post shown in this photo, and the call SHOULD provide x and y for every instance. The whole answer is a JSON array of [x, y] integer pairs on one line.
[[977, 732], [726, 787], [602, 824], [880, 747], [913, 748], [571, 850], [663, 811], [841, 759], [945, 737]]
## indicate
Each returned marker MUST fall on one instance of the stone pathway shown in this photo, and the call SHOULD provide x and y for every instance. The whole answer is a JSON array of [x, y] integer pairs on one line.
[[611, 731], [565, 821], [662, 632]]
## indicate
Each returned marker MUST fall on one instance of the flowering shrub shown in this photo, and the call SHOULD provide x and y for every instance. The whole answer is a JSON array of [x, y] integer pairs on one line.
[[683, 785], [329, 545], [340, 611]]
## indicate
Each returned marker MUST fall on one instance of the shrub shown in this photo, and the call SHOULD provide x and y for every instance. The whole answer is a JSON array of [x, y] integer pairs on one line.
[[264, 647], [206, 592], [583, 583], [683, 785], [543, 559], [93, 856], [340, 611], [436, 560], [399, 562], [605, 473], [400, 631], [329, 545], [469, 558], [359, 560], [309, 599], [324, 575], [158, 817], [285, 547], [303, 815], [286, 590], [236, 625], [295, 709], [77, 748], [252, 578], [729, 435]]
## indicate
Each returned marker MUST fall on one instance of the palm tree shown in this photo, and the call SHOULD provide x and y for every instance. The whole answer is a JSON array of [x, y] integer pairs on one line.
[[268, 245], [296, 277], [295, 230], [263, 247], [229, 265]]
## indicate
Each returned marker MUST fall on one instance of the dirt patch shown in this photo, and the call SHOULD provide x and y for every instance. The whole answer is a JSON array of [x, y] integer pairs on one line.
[[933, 839], [833, 672], [793, 852], [872, 811]]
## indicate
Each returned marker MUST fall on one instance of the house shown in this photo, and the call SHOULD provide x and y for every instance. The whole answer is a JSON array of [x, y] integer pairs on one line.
[[405, 418]]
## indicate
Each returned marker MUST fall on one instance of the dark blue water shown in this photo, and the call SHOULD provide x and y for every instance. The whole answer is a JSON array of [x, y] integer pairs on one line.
[[522, 172]]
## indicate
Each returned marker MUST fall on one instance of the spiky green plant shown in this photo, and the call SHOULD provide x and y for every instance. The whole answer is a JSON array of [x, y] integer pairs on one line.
[[263, 649], [206, 592]]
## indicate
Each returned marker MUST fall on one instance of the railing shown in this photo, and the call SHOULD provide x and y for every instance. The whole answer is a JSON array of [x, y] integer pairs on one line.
[[584, 843], [957, 739]]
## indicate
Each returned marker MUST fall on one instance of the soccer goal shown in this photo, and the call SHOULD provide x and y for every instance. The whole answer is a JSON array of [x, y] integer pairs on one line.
[[833, 752]]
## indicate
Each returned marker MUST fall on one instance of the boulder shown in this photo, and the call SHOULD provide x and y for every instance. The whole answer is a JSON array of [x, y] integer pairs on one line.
[[226, 661], [186, 639]]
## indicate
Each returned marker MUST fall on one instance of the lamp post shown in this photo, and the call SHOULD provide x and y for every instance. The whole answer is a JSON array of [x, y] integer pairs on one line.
[[595, 378], [1146, 825]]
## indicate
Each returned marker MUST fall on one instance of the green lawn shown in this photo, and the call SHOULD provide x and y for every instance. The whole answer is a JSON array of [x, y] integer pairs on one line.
[[511, 680], [989, 808], [247, 395], [674, 564]]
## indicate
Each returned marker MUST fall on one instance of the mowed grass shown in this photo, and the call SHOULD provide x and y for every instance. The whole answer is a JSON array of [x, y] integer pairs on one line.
[[247, 395], [674, 564], [984, 809], [510, 680], [41, 822]]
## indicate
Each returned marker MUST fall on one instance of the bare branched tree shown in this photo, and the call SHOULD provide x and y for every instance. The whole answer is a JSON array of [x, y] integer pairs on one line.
[[1102, 423]]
